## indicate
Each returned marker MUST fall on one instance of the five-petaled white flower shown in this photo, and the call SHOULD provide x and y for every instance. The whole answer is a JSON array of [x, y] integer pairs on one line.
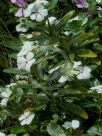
[[21, 28], [98, 88], [5, 95], [36, 11], [26, 118], [83, 72], [73, 124], [39, 13], [25, 62], [27, 47]]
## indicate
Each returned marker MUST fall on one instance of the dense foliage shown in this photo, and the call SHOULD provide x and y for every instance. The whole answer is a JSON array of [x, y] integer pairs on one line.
[[55, 88]]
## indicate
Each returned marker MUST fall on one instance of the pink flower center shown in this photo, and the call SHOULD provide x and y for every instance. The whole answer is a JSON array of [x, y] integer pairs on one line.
[[26, 61]]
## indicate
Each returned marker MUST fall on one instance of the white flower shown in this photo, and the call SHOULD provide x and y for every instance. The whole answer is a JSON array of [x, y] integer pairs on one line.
[[44, 2], [55, 94], [21, 28], [2, 134], [83, 72], [36, 10], [99, 8], [97, 88], [5, 95], [26, 118], [67, 33], [98, 1], [67, 124], [52, 20], [73, 124], [28, 10], [76, 64], [25, 62], [27, 47], [39, 13]]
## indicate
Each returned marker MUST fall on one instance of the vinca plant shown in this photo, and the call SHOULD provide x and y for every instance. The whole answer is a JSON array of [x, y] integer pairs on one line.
[[56, 86]]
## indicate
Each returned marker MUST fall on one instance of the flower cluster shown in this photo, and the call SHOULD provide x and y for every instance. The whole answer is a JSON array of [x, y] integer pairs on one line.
[[57, 65], [36, 10]]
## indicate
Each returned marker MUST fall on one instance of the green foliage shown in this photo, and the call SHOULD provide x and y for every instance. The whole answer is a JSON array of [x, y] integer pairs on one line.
[[51, 90]]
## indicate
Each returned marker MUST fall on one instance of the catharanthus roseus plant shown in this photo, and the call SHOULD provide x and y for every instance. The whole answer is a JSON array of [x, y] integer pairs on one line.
[[56, 85]]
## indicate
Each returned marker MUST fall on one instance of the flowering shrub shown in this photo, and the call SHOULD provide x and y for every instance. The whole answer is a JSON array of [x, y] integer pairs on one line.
[[56, 88]]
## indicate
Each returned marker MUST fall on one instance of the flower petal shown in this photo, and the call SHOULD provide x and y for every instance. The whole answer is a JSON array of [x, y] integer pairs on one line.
[[4, 101], [20, 60], [29, 64], [39, 18], [29, 56], [19, 13], [43, 12], [33, 16], [75, 124]]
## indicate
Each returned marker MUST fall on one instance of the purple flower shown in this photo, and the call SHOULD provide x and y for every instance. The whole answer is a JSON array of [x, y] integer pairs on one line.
[[81, 3], [20, 4], [20, 12]]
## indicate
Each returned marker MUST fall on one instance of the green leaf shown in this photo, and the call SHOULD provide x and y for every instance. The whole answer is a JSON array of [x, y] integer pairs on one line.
[[55, 130], [98, 47], [52, 4], [19, 94], [18, 130], [13, 55], [13, 45], [75, 109], [81, 37], [55, 118], [64, 20], [15, 71], [87, 54]]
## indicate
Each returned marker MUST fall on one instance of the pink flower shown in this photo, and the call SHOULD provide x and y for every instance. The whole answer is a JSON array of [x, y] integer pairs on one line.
[[20, 4], [81, 3], [19, 13]]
